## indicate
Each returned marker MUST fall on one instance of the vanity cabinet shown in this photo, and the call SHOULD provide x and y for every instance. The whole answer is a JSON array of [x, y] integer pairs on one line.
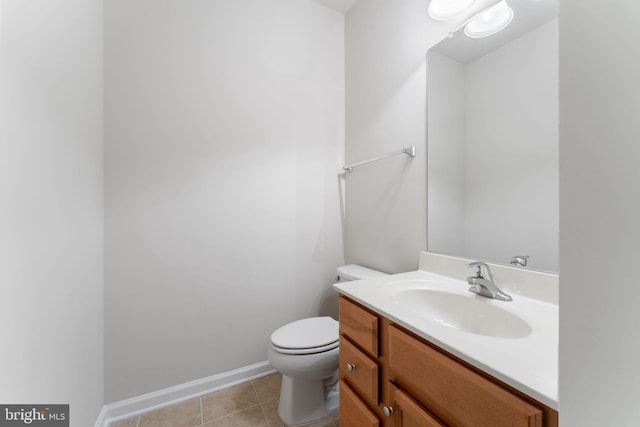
[[390, 377]]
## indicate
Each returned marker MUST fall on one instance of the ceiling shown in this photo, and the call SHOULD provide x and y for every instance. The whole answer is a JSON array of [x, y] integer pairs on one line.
[[339, 5]]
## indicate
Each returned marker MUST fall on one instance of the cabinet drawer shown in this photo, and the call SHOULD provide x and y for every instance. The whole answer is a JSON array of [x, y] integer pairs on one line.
[[408, 413], [354, 412], [454, 393], [359, 371], [360, 325]]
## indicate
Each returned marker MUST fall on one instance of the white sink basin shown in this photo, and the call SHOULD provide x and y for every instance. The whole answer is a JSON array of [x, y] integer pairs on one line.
[[470, 313]]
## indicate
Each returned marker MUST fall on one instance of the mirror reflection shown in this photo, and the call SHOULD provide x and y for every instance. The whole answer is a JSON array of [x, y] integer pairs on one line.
[[493, 141]]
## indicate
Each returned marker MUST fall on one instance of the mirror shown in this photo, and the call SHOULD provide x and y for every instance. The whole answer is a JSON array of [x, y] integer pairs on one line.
[[493, 141]]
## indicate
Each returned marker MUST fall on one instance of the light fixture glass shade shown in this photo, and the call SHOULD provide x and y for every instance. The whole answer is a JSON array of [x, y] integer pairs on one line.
[[490, 22], [447, 9]]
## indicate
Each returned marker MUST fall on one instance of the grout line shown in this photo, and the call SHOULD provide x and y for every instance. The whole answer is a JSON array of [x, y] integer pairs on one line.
[[255, 390], [259, 403], [138, 422], [264, 414], [234, 413], [263, 402], [201, 412]]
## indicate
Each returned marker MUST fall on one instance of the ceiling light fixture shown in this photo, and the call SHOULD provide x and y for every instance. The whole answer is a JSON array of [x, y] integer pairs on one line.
[[442, 10], [489, 22]]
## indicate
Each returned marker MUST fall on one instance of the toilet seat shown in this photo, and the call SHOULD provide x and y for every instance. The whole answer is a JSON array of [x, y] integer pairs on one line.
[[306, 336], [304, 351]]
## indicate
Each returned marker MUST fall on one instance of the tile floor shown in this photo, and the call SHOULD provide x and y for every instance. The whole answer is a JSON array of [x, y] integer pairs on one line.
[[251, 404]]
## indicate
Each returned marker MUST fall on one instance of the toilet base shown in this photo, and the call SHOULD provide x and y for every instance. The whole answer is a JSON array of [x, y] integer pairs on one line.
[[305, 401]]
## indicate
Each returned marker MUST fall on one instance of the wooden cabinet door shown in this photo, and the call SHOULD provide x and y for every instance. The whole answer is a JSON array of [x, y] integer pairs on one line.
[[353, 411], [408, 413], [454, 393]]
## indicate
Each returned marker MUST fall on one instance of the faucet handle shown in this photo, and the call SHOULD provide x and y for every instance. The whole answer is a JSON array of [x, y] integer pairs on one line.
[[483, 269], [478, 267]]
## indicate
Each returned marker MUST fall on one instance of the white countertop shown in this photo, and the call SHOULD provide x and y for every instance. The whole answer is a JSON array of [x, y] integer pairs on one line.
[[529, 364]]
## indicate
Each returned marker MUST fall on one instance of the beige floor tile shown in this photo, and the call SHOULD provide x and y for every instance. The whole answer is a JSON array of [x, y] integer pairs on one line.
[[336, 418], [253, 404], [229, 401], [185, 414], [323, 422], [251, 417], [268, 387], [129, 422], [270, 409], [273, 403]]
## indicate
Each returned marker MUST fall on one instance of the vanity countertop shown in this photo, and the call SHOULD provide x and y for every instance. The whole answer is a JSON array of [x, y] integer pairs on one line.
[[529, 364]]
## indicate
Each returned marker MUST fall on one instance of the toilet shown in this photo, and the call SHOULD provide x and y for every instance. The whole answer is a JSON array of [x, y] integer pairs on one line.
[[305, 352]]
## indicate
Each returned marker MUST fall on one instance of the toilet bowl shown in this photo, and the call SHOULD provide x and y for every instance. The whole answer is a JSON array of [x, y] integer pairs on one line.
[[305, 352]]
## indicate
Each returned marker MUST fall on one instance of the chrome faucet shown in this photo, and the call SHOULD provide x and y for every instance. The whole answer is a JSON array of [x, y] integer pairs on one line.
[[520, 260], [482, 283]]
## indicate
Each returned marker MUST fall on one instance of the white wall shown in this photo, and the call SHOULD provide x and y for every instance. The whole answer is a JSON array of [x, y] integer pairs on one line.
[[511, 127], [386, 205], [224, 124], [385, 111], [599, 211], [446, 188], [51, 309]]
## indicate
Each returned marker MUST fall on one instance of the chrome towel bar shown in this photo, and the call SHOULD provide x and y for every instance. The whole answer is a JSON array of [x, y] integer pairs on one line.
[[409, 151]]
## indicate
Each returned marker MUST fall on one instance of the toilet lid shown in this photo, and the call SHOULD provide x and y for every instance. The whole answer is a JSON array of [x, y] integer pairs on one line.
[[307, 334]]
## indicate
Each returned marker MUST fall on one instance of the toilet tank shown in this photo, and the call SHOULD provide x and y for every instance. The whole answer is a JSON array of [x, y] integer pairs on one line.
[[356, 272]]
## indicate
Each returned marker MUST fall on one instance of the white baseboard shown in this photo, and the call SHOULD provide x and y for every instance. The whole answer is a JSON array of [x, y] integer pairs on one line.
[[102, 418], [169, 396]]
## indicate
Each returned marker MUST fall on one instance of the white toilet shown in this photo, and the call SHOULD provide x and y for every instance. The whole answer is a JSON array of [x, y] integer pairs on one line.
[[305, 352]]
